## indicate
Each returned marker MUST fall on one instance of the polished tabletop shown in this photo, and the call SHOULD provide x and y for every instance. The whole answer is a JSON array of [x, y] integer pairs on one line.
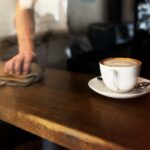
[[63, 109]]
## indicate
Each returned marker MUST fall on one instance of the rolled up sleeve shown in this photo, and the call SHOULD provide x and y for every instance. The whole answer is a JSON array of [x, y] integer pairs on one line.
[[27, 4]]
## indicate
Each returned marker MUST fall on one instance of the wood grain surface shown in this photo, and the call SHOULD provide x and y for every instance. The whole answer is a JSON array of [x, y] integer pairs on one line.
[[63, 109]]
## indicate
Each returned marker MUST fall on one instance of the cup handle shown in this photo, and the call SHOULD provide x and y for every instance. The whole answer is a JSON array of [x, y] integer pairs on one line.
[[115, 79]]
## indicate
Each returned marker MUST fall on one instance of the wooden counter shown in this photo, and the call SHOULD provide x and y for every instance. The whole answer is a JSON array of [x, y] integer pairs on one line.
[[64, 110]]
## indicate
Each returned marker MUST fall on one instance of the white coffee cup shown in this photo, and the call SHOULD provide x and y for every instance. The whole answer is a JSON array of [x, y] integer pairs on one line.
[[120, 74]]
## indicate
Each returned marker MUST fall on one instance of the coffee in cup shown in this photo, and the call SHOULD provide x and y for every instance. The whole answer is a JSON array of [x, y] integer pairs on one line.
[[120, 74]]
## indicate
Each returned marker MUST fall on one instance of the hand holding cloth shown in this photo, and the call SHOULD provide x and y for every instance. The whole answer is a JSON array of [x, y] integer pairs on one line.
[[20, 80]]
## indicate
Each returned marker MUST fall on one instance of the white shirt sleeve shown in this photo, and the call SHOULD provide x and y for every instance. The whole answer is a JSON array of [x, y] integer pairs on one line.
[[27, 4]]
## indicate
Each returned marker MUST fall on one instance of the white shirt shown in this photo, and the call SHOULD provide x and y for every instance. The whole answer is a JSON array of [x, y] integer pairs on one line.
[[27, 4]]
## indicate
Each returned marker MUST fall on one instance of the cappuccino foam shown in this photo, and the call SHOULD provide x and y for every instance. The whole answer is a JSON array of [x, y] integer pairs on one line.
[[120, 62]]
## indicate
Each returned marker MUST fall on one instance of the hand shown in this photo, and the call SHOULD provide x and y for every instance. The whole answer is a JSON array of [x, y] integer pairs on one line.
[[20, 64]]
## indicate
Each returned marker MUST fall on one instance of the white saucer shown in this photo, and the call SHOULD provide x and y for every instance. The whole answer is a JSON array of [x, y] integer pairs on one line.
[[99, 87]]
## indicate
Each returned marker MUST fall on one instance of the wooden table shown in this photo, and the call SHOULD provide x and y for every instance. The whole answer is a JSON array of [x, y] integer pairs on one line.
[[64, 110]]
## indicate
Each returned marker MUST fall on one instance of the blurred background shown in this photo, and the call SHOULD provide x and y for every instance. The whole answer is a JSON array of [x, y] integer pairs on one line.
[[75, 34]]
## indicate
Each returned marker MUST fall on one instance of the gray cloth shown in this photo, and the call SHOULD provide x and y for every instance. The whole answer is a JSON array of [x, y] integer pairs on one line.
[[20, 80]]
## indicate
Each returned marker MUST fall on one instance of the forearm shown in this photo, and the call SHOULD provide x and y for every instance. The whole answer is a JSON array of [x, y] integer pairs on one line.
[[24, 22], [25, 28]]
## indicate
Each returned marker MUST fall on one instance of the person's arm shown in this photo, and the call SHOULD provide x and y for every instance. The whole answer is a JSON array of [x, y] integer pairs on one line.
[[24, 22]]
